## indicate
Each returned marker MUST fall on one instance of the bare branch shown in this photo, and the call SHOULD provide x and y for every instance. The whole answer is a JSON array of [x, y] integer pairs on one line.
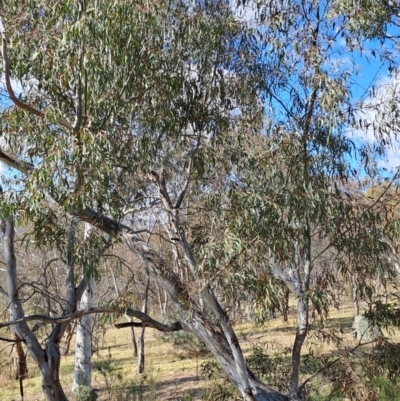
[[159, 178], [12, 161], [53, 320], [9, 340], [147, 321], [103, 223], [3, 291]]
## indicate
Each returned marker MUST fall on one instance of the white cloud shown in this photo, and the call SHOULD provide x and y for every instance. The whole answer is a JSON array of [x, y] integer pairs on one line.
[[26, 86], [249, 12], [392, 157], [378, 119], [16, 85]]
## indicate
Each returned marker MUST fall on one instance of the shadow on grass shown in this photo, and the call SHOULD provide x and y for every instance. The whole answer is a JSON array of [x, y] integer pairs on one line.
[[182, 388], [111, 346], [344, 322], [177, 389], [285, 329]]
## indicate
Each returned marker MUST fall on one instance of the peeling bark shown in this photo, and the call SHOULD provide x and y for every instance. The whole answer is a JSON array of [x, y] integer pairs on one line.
[[19, 359], [65, 342]]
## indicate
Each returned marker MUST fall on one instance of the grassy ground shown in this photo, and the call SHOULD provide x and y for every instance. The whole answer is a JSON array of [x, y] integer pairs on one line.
[[170, 374]]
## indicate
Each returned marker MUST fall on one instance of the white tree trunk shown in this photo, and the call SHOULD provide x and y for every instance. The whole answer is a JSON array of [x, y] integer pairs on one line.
[[84, 331], [141, 355]]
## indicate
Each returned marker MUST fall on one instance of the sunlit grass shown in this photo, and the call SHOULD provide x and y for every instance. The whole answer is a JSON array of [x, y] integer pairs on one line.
[[169, 374]]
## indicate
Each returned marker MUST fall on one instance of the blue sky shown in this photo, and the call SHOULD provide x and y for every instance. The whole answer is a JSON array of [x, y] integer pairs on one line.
[[370, 77], [375, 84]]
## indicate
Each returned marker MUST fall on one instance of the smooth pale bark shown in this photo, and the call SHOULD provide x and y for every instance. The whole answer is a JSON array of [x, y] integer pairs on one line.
[[162, 300], [83, 345], [84, 333]]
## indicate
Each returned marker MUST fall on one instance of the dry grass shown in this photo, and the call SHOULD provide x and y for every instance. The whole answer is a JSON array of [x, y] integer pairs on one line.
[[169, 374]]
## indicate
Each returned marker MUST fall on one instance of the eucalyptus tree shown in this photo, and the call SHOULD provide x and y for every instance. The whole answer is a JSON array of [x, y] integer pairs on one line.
[[119, 88], [290, 198], [162, 104]]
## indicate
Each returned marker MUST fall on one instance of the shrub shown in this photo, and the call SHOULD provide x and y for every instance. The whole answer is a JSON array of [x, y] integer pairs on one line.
[[85, 393], [186, 343]]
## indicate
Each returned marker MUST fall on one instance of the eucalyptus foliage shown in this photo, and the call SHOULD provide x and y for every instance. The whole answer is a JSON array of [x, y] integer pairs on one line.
[[232, 132]]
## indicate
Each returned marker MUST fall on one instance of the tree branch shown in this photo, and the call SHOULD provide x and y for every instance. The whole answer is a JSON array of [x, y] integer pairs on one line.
[[53, 320], [6, 68], [12, 161], [9, 340], [188, 176], [147, 321], [71, 300], [3, 292], [291, 282]]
